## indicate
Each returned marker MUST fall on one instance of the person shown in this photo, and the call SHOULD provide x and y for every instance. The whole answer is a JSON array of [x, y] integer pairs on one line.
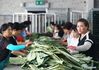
[[86, 44], [50, 29], [73, 40], [62, 25], [67, 28], [58, 32], [16, 30], [6, 47], [25, 32], [17, 39]]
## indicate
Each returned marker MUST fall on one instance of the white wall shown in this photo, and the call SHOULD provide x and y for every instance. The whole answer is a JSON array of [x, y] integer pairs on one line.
[[74, 4], [89, 5], [11, 6]]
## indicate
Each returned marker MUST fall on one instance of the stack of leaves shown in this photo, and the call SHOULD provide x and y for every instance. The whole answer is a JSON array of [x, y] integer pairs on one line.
[[47, 54], [33, 36]]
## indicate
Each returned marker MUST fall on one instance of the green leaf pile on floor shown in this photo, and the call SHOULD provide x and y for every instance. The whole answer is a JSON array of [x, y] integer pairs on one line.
[[48, 54]]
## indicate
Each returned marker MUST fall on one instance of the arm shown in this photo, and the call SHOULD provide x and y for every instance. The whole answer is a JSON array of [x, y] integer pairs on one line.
[[87, 45], [15, 47], [18, 53], [63, 43]]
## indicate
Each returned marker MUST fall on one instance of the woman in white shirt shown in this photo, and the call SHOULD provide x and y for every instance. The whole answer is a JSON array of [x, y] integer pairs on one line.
[[67, 28], [72, 40]]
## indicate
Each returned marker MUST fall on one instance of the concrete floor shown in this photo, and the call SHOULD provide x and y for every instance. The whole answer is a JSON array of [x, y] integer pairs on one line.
[[13, 67]]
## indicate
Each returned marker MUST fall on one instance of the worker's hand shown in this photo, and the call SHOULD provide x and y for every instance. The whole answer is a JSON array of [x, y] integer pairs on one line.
[[29, 33], [63, 42], [71, 47], [28, 43]]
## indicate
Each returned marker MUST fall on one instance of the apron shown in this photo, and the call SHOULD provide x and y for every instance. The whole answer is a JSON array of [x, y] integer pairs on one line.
[[4, 63]]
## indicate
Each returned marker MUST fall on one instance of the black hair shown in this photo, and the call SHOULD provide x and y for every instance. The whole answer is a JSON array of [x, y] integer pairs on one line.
[[63, 23], [10, 24], [4, 27], [26, 23], [61, 32], [17, 26], [58, 26], [23, 25], [52, 23], [68, 26], [74, 27]]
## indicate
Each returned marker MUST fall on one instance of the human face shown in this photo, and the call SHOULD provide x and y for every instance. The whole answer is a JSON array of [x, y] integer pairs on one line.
[[82, 29], [52, 26], [56, 29], [74, 34], [66, 31], [16, 32], [7, 32]]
